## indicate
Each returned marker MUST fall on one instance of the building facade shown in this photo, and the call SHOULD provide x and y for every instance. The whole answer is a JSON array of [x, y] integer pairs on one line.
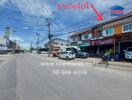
[[7, 45], [3, 46], [115, 34], [82, 39], [57, 43]]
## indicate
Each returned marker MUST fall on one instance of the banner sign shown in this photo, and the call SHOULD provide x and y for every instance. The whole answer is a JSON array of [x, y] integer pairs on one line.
[[102, 42]]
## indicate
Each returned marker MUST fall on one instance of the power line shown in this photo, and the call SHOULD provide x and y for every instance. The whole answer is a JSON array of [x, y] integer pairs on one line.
[[31, 22], [89, 18], [86, 24], [77, 29]]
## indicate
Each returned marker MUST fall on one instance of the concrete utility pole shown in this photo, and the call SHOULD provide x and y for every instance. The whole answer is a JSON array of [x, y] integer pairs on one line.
[[49, 36], [68, 40], [38, 35], [31, 46]]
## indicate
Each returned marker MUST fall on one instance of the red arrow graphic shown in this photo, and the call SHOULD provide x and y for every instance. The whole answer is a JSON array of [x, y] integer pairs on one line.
[[99, 15]]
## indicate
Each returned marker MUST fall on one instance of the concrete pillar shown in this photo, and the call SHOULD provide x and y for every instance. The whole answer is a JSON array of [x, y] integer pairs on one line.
[[98, 50], [119, 51]]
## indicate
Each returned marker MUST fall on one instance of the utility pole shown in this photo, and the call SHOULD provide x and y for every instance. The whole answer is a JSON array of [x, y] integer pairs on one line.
[[14, 48], [68, 40], [49, 37], [31, 46], [38, 35]]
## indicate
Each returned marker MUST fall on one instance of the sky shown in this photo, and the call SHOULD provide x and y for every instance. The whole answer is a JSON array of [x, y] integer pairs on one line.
[[27, 17]]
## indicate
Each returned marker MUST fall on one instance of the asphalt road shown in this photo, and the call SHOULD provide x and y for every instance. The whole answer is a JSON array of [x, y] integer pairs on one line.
[[25, 78]]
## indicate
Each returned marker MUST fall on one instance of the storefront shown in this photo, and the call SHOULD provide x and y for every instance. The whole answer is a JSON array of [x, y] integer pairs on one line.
[[84, 46], [101, 45], [123, 42]]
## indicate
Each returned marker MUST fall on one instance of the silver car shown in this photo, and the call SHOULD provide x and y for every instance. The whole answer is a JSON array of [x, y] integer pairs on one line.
[[67, 55], [128, 53]]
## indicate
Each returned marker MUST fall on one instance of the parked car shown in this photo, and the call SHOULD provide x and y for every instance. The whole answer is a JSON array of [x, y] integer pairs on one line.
[[81, 54], [128, 53], [38, 52], [67, 55]]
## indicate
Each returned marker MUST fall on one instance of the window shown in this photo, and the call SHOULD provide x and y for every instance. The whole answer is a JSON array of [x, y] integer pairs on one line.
[[79, 38], [108, 32], [100, 34], [87, 36], [74, 38], [127, 27], [64, 52], [71, 52]]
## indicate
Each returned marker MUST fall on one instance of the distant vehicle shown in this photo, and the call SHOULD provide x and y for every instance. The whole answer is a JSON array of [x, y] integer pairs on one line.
[[55, 51], [67, 55], [43, 52], [68, 48], [78, 53], [38, 52], [128, 53]]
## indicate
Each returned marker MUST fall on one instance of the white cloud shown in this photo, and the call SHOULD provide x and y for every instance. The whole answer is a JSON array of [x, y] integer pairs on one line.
[[17, 38], [2, 2], [105, 4], [33, 7]]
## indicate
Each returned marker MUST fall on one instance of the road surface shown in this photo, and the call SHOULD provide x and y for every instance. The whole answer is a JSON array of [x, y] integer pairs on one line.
[[25, 78]]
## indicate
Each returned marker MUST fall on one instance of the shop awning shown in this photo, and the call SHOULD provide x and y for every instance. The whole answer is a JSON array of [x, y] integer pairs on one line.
[[84, 45]]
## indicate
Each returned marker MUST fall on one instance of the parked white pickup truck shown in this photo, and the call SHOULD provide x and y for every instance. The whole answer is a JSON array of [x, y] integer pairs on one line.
[[128, 53]]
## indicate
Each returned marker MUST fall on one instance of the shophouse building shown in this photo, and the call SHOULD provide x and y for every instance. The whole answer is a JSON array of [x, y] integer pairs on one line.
[[115, 34]]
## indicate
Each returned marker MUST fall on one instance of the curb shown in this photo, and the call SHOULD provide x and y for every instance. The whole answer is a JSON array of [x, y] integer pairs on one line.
[[128, 65]]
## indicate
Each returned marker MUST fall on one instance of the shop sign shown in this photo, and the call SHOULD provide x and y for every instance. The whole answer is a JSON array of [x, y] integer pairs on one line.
[[107, 41], [102, 42]]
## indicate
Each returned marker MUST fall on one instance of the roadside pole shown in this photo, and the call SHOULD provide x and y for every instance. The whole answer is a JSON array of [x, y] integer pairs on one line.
[[38, 35], [49, 37], [68, 40], [114, 46], [31, 46]]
